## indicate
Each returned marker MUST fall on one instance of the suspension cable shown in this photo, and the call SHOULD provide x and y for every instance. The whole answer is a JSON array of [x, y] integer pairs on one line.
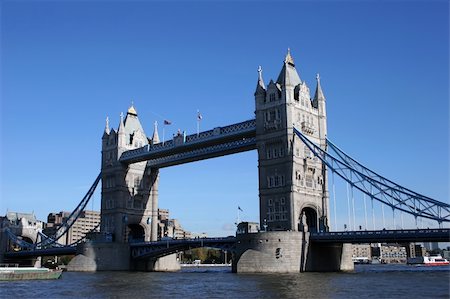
[[365, 210], [334, 200], [348, 207]]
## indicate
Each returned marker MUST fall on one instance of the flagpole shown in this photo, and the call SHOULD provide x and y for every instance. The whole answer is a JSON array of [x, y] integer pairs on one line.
[[199, 118], [164, 127]]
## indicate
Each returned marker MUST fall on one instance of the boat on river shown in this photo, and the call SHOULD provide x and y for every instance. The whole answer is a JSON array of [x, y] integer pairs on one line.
[[435, 260], [26, 273]]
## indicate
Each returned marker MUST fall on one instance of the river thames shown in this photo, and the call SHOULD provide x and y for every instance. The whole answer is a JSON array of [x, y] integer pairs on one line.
[[367, 281]]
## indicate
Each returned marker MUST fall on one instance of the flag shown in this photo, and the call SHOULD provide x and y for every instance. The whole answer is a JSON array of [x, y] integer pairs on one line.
[[239, 208], [167, 122], [199, 116]]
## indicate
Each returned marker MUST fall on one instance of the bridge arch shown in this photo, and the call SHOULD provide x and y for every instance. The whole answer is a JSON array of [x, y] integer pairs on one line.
[[24, 238], [310, 215], [135, 232]]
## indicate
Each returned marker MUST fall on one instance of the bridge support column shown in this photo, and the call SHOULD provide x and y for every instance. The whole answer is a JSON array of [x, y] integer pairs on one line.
[[168, 263], [288, 252], [329, 257], [154, 198], [269, 252], [101, 257]]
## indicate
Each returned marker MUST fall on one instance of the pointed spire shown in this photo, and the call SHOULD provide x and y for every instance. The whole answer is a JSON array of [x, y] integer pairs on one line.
[[155, 137], [288, 58], [319, 93], [107, 129], [260, 87], [121, 125], [288, 75]]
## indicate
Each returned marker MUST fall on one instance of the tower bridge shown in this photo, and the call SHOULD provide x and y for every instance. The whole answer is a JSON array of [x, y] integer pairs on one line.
[[295, 160]]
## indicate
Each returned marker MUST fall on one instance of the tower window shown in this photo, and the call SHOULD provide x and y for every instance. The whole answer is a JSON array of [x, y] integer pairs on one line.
[[272, 115], [272, 97], [309, 181]]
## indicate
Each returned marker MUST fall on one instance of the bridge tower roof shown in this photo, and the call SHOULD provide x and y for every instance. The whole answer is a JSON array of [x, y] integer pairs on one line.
[[132, 123], [288, 75]]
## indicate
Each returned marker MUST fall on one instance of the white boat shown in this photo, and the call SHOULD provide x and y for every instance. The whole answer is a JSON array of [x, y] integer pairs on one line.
[[25, 273], [435, 260]]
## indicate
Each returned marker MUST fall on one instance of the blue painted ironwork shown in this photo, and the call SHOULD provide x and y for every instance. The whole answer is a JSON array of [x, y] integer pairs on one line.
[[65, 250], [51, 241], [202, 153], [376, 186], [180, 145], [16, 240], [161, 248], [388, 236], [64, 228]]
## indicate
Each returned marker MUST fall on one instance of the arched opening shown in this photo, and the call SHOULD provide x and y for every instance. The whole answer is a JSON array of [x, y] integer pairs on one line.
[[136, 233], [16, 247], [311, 219]]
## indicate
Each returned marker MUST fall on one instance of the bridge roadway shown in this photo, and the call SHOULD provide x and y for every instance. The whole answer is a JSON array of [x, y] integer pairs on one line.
[[181, 149], [383, 236], [164, 247], [144, 250]]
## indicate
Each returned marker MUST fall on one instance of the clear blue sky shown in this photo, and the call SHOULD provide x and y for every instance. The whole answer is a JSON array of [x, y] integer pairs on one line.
[[66, 65]]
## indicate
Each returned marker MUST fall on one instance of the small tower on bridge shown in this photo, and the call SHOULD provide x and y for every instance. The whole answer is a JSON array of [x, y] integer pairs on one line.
[[292, 182], [129, 193]]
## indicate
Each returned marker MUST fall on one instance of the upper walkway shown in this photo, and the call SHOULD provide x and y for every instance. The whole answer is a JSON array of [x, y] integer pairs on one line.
[[217, 142]]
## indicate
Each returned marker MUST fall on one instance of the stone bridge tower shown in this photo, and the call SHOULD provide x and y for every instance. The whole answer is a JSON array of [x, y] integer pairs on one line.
[[291, 180], [129, 204], [293, 191]]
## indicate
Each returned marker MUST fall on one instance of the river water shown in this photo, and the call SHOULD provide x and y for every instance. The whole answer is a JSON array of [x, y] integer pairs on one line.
[[367, 281]]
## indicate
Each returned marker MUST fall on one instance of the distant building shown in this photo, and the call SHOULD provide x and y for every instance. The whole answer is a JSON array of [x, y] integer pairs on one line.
[[362, 253], [416, 250], [87, 222], [393, 254], [247, 227], [430, 246], [171, 227], [24, 225], [26, 228]]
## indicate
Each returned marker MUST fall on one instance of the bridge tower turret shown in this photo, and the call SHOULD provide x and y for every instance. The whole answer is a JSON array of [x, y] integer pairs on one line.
[[127, 190], [291, 180]]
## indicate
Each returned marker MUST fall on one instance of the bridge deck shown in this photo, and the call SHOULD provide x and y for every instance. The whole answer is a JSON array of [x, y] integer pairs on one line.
[[220, 141], [384, 236], [165, 247]]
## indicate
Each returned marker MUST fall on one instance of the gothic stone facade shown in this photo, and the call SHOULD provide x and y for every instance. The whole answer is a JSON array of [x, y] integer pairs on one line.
[[129, 207], [291, 179]]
